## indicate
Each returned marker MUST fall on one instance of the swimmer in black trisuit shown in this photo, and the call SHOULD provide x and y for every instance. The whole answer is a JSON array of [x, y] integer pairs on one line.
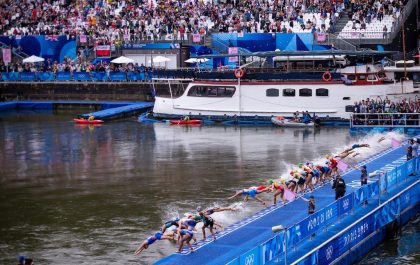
[[166, 225], [150, 240]]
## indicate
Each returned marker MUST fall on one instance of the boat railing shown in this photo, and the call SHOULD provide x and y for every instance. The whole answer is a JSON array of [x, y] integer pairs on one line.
[[391, 120]]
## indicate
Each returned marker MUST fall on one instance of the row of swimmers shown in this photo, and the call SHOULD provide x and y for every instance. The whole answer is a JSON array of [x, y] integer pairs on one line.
[[182, 229], [302, 179]]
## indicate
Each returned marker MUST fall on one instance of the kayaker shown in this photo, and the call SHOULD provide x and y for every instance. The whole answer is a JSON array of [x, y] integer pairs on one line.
[[91, 118], [186, 118]]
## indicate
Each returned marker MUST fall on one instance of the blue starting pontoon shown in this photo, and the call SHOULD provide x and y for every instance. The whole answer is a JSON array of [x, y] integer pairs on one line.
[[339, 231]]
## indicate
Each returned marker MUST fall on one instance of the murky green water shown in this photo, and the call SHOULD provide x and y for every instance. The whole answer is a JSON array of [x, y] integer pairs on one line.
[[74, 194]]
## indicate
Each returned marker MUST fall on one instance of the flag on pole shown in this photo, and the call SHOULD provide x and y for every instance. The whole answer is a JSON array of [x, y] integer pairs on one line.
[[7, 55], [289, 195], [395, 143], [341, 165]]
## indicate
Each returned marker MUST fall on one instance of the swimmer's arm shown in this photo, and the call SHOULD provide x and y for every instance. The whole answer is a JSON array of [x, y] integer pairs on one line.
[[306, 200]]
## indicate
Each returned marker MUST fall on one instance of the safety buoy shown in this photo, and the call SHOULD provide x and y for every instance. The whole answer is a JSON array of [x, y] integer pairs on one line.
[[326, 76], [239, 73]]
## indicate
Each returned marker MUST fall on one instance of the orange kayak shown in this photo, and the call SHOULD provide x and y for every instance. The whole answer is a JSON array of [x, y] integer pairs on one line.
[[183, 122], [83, 121]]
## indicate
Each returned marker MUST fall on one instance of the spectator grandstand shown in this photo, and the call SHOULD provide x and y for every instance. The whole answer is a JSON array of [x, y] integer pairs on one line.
[[135, 20]]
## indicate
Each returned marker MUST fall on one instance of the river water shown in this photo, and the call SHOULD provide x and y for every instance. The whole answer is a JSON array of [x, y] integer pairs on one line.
[[72, 194]]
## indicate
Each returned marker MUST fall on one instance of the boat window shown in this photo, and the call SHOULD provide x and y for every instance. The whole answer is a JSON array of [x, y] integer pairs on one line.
[[346, 98], [371, 78], [362, 77], [272, 92], [322, 92], [305, 92], [349, 108], [351, 77], [289, 92], [212, 91]]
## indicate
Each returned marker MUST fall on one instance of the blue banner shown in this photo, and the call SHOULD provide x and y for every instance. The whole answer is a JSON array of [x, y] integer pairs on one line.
[[405, 199], [329, 252], [386, 214], [383, 182], [252, 257], [410, 166], [132, 76], [46, 76], [345, 204], [53, 46], [81, 76], [99, 76], [27, 76], [311, 224], [117, 76], [272, 248], [12, 76], [151, 46], [401, 172], [62, 76], [366, 192], [354, 235], [310, 260], [391, 178]]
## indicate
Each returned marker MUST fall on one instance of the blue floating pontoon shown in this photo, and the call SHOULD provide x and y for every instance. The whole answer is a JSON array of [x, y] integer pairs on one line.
[[252, 237]]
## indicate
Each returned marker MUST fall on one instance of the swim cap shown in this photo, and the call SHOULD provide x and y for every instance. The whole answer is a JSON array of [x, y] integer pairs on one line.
[[21, 259], [199, 209], [270, 181], [311, 197], [300, 165], [292, 172], [327, 156], [283, 181], [308, 163], [364, 166]]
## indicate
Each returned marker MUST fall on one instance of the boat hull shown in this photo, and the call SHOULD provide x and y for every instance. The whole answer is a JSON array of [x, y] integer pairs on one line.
[[288, 123], [184, 122], [83, 121]]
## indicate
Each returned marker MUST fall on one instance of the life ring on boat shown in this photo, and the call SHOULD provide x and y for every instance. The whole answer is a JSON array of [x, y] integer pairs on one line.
[[239, 73], [326, 76]]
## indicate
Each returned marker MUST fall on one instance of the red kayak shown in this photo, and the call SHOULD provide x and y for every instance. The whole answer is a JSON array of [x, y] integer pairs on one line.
[[183, 122], [83, 121]]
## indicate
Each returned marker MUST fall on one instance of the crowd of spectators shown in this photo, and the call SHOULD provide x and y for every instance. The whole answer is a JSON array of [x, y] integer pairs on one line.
[[70, 66], [386, 112], [387, 106], [128, 20]]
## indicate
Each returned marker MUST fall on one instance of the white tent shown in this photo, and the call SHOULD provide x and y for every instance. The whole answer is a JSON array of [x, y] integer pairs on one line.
[[33, 59], [160, 59], [122, 60], [197, 60]]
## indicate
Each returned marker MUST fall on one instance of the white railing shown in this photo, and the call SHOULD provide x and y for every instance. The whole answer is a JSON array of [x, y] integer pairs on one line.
[[385, 120]]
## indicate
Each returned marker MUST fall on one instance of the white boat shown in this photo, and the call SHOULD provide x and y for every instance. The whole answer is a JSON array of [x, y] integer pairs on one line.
[[283, 122], [329, 95]]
